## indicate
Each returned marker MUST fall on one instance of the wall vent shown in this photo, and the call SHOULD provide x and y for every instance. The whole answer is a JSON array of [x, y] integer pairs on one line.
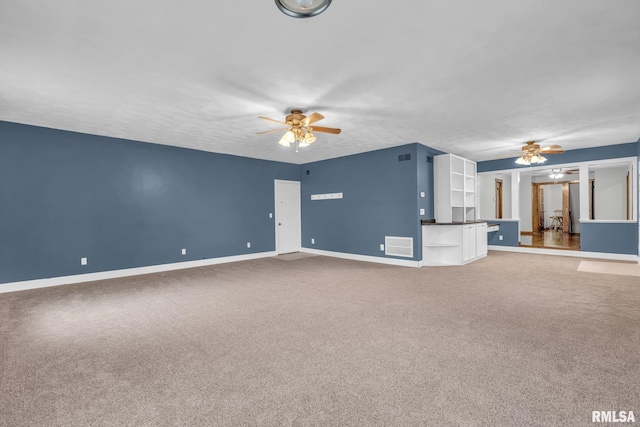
[[403, 157], [398, 246], [429, 159]]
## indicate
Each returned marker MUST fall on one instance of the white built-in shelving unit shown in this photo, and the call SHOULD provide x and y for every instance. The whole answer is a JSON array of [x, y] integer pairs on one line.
[[457, 237], [456, 184]]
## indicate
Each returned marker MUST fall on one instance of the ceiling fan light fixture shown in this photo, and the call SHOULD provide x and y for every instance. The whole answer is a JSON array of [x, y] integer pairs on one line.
[[556, 174], [309, 138], [532, 153], [299, 131], [284, 143], [302, 8], [287, 139]]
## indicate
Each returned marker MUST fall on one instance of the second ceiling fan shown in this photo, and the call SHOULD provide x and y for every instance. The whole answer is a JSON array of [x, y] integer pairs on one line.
[[299, 130]]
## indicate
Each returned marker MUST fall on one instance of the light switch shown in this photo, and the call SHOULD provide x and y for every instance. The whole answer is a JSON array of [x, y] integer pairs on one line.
[[422, 194], [421, 211]]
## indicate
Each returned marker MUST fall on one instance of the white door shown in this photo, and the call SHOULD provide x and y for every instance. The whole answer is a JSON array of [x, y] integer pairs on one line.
[[287, 203]]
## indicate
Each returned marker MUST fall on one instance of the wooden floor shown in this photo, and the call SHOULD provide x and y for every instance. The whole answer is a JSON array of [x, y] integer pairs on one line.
[[551, 239]]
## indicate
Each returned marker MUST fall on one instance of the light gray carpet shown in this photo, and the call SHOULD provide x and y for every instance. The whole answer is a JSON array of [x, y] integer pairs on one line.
[[294, 256], [509, 340], [621, 268]]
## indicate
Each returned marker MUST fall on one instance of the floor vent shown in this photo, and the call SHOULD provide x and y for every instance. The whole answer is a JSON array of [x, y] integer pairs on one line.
[[398, 246]]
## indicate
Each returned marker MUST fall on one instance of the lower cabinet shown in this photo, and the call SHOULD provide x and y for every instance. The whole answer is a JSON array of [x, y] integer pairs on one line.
[[481, 239], [453, 244], [469, 239]]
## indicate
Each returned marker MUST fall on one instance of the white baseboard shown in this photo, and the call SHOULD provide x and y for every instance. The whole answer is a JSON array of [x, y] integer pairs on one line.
[[113, 274], [102, 275], [366, 258], [561, 252]]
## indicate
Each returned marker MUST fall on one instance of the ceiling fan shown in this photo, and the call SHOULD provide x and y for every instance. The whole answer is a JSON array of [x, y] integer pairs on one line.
[[560, 172], [299, 129], [533, 153]]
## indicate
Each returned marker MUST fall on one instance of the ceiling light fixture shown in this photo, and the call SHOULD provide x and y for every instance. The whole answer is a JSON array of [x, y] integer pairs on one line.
[[531, 157], [301, 136], [299, 129], [532, 153], [556, 174], [303, 8]]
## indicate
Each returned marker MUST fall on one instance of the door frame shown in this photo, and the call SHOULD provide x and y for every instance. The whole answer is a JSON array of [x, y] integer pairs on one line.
[[275, 211], [498, 197], [537, 191]]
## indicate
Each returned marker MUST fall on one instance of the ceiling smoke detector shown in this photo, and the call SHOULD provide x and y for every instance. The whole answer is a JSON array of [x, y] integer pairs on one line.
[[302, 8]]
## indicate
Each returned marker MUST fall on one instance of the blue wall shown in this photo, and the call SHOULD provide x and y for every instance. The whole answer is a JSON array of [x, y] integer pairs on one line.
[[571, 156], [381, 198], [618, 238], [124, 204], [509, 231], [424, 160]]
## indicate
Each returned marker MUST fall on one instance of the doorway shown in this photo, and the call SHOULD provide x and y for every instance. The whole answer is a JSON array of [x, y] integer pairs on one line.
[[287, 207], [551, 216], [539, 219], [498, 198]]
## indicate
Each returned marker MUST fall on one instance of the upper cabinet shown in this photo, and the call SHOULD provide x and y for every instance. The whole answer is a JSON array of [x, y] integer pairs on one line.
[[456, 184]]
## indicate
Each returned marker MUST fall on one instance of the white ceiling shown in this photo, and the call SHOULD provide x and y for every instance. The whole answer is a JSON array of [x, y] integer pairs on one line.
[[474, 78]]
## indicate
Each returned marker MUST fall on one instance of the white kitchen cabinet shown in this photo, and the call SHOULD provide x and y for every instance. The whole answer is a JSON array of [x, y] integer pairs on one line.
[[453, 244], [481, 239]]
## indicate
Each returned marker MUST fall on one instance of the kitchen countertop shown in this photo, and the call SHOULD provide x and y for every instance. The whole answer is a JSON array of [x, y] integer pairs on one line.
[[431, 222]]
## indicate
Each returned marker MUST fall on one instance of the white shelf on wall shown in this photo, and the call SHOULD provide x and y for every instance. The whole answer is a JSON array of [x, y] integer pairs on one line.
[[456, 183]]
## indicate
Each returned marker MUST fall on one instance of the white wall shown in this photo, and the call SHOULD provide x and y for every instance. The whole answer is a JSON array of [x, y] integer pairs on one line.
[[609, 193], [506, 196], [525, 202], [487, 196]]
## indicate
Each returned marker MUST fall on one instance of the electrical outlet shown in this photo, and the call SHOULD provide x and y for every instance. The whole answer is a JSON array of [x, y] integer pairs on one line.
[[421, 211], [184, 252], [382, 246], [248, 244], [313, 241], [83, 261], [500, 237]]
